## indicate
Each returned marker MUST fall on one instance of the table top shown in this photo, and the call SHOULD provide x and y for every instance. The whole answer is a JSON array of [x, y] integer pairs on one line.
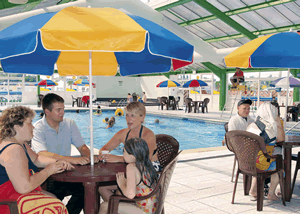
[[292, 140], [100, 172]]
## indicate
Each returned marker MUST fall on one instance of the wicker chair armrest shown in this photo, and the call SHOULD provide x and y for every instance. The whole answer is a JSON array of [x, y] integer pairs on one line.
[[12, 203]]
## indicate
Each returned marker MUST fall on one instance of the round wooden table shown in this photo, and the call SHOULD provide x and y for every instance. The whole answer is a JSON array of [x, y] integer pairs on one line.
[[90, 176]]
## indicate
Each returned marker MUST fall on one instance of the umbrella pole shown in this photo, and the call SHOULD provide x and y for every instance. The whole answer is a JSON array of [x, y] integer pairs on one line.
[[287, 97], [91, 110]]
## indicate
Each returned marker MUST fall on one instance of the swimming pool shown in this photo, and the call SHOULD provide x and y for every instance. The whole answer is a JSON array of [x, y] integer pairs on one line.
[[191, 134]]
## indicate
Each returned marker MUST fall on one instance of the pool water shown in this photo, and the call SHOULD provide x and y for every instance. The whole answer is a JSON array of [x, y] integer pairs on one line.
[[190, 134]]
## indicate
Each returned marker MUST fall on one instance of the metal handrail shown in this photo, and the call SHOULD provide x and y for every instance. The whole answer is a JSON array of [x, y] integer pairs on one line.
[[120, 103]]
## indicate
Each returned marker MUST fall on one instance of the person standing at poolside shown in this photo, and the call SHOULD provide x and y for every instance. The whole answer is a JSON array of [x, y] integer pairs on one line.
[[242, 119], [129, 98], [52, 137], [144, 97]]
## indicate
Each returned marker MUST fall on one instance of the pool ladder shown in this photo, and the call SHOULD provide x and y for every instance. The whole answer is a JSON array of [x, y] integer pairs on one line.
[[122, 103]]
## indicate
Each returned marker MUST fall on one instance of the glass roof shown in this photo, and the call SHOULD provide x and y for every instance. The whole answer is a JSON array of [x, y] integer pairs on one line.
[[263, 17]]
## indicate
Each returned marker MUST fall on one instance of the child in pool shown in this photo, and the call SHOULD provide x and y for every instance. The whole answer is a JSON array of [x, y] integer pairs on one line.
[[98, 112], [140, 180], [110, 123], [106, 120]]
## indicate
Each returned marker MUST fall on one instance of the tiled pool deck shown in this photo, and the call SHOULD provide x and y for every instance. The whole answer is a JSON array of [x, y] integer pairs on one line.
[[201, 182]]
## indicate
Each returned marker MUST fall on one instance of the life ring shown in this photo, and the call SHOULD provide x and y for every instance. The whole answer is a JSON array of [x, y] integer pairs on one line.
[[119, 110]]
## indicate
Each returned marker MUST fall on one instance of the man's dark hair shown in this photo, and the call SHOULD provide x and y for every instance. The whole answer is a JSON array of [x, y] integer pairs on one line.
[[49, 99]]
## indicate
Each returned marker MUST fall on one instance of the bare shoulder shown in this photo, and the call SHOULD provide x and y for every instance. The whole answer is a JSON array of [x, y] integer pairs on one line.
[[131, 166], [148, 133], [121, 134], [12, 152]]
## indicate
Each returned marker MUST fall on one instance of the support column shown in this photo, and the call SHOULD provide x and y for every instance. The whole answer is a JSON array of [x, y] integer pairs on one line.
[[38, 87], [222, 97], [296, 97]]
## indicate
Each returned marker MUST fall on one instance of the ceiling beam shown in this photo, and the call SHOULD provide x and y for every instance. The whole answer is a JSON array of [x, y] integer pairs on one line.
[[222, 16], [259, 32], [237, 11]]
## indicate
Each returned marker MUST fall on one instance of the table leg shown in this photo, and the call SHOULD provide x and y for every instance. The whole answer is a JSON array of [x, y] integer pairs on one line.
[[90, 198], [287, 170]]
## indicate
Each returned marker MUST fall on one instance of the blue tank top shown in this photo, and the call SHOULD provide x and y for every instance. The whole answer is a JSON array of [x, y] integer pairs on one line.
[[3, 175]]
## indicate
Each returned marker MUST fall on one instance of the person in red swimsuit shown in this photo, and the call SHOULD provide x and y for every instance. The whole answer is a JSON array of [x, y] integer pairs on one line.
[[237, 78]]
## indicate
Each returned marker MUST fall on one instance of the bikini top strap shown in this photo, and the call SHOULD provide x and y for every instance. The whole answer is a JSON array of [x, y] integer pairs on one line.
[[141, 130], [7, 146], [127, 135]]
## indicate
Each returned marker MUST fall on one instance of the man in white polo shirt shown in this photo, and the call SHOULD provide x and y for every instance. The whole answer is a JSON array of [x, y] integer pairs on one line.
[[52, 137], [242, 119]]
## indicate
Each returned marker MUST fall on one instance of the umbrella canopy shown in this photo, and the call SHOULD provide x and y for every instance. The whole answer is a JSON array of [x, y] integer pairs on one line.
[[68, 89], [195, 92], [45, 89], [281, 82], [135, 44], [46, 83], [279, 50], [82, 82], [194, 84], [167, 84]]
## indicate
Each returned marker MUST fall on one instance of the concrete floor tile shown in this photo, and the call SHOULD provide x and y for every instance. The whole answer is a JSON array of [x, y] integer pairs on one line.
[[172, 209], [210, 211], [192, 206]]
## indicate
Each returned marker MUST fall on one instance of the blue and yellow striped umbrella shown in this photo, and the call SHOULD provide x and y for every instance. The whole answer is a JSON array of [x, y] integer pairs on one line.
[[279, 50], [114, 38], [167, 84]]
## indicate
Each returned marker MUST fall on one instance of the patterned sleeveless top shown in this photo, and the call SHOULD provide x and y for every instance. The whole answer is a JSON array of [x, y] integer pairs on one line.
[[142, 189]]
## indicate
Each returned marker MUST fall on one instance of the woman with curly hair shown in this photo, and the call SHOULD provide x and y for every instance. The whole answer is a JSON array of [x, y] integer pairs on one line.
[[19, 176]]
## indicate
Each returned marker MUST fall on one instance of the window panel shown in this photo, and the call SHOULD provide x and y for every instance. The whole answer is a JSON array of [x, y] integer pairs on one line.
[[256, 20], [171, 16], [274, 17], [288, 13], [232, 43], [244, 23], [223, 26], [197, 9], [199, 33], [184, 12], [218, 5], [232, 4], [211, 29]]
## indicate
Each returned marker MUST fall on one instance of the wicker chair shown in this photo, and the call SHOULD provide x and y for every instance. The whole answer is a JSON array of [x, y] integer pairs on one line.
[[167, 148], [160, 191], [13, 207], [246, 146], [296, 158]]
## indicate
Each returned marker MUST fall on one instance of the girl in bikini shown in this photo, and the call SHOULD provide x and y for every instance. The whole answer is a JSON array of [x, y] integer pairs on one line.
[[140, 180]]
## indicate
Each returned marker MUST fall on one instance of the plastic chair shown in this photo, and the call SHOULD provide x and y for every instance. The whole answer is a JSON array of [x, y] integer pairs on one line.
[[204, 105], [159, 102], [167, 148], [297, 158], [74, 100], [12, 204], [160, 191], [172, 102], [164, 101], [40, 98], [245, 146], [188, 104], [177, 103], [234, 162]]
